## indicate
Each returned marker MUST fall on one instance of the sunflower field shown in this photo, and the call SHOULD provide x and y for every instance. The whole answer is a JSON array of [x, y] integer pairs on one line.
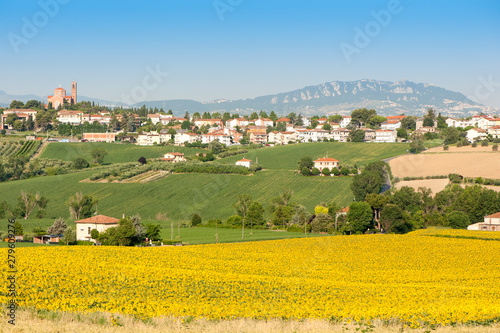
[[414, 279]]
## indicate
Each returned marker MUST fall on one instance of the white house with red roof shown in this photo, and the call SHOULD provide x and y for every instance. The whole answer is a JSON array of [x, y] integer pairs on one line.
[[22, 114], [391, 124], [346, 120], [326, 162], [99, 222], [245, 162], [70, 117], [264, 122], [490, 223], [385, 135], [208, 122], [476, 134], [174, 157], [240, 122]]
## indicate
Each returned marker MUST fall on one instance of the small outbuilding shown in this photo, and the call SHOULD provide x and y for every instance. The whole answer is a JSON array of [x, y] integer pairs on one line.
[[245, 162]]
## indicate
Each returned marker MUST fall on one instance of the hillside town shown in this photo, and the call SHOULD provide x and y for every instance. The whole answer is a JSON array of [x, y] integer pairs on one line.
[[146, 127]]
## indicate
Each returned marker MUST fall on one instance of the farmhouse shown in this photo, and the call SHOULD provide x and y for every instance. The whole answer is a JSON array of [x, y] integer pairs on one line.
[[491, 223], [326, 162], [99, 222], [476, 134], [174, 157], [244, 162], [391, 124], [22, 114], [494, 131]]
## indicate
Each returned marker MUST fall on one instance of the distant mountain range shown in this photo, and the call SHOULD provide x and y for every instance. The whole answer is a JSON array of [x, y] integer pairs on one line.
[[337, 97]]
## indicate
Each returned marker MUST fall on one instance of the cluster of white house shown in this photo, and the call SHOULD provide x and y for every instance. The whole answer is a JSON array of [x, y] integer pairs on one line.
[[232, 131]]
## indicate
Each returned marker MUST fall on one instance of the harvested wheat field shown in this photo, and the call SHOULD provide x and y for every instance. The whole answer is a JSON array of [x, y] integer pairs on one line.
[[486, 165], [464, 149], [436, 185]]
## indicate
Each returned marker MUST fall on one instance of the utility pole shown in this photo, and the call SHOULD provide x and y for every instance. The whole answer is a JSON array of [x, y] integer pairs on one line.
[[171, 230]]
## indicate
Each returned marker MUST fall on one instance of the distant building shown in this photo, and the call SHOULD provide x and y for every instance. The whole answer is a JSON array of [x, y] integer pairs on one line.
[[491, 223], [99, 222], [174, 157], [245, 162], [70, 117], [22, 114], [99, 137], [386, 135], [326, 162], [60, 96]]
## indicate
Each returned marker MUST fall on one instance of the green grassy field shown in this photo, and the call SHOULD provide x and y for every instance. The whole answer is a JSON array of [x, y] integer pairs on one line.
[[23, 244], [180, 195], [287, 157], [212, 196], [204, 235], [117, 153]]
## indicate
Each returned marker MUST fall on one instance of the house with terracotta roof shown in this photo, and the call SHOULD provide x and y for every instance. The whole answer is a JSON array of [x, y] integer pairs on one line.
[[490, 223], [476, 134], [240, 122], [22, 114], [494, 132], [174, 157], [256, 129], [266, 122], [99, 222], [182, 138], [326, 162], [321, 121], [245, 162], [258, 138], [386, 135], [346, 120], [391, 124], [283, 120], [70, 117], [341, 134], [208, 122]]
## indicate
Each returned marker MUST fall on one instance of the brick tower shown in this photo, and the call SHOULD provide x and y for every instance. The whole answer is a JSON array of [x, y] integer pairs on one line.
[[73, 91]]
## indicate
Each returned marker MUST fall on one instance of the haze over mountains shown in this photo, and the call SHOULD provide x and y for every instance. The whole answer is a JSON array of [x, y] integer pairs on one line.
[[388, 98]]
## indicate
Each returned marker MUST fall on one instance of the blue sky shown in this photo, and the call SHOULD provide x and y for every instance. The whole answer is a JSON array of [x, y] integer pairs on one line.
[[246, 48]]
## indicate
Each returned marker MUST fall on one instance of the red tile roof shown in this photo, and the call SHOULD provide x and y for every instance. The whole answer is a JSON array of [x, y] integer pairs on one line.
[[495, 216], [99, 219], [245, 160], [282, 119], [326, 159]]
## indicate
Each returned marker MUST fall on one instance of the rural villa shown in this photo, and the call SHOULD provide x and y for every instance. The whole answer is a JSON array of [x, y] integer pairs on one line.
[[245, 162], [99, 222], [174, 157], [491, 223], [326, 162]]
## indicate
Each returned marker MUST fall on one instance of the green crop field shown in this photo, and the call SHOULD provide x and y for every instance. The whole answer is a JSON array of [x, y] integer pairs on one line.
[[287, 157], [204, 235], [117, 153], [180, 195], [212, 196]]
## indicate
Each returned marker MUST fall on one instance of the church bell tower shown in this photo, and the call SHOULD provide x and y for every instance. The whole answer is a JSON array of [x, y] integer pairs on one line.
[[73, 92]]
